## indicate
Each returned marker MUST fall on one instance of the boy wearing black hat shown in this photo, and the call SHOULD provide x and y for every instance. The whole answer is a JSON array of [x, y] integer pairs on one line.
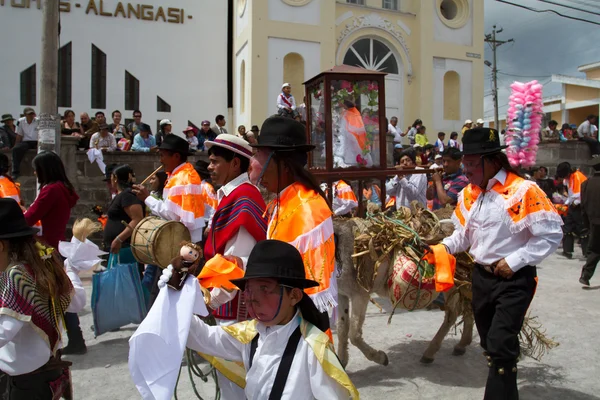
[[509, 226], [285, 353]]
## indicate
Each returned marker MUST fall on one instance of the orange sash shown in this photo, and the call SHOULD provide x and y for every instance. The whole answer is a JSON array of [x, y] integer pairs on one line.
[[524, 202], [574, 184], [10, 189], [218, 272], [185, 196], [445, 265], [356, 126], [303, 219]]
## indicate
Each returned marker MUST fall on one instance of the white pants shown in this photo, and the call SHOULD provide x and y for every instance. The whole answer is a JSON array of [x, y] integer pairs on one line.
[[229, 390]]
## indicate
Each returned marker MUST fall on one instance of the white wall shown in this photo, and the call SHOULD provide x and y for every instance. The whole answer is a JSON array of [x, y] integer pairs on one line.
[[464, 70], [185, 64], [278, 49], [309, 14], [241, 118], [443, 33]]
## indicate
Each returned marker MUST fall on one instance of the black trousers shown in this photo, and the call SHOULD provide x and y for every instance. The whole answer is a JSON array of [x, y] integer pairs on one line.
[[32, 387], [593, 253], [73, 329], [593, 144], [499, 308], [574, 226], [18, 152]]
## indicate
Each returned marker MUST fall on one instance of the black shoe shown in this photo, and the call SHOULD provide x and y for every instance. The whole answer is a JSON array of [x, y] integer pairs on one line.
[[568, 255], [583, 281], [75, 349]]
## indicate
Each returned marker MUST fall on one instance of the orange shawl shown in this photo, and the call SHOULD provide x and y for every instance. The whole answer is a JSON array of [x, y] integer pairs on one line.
[[184, 195]]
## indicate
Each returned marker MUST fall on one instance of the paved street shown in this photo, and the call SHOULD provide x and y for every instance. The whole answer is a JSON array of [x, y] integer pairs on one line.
[[570, 314]]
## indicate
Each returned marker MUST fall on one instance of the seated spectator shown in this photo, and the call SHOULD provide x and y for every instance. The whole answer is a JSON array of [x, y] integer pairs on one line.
[[166, 128], [421, 136], [566, 133], [100, 118], [428, 154], [584, 134], [540, 175], [439, 143], [438, 162], [241, 131], [144, 141], [255, 130], [8, 132], [449, 183], [206, 133], [68, 126], [190, 135], [286, 104], [479, 123], [88, 127], [27, 139], [453, 142], [251, 138], [550, 133], [134, 127], [219, 126], [103, 140], [407, 187], [117, 128]]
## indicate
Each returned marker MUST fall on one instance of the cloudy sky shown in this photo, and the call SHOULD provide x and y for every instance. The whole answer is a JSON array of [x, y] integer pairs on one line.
[[545, 44]]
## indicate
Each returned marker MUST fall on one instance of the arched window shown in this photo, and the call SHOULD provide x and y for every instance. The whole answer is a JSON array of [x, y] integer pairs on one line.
[[451, 96], [243, 87], [293, 73], [371, 54]]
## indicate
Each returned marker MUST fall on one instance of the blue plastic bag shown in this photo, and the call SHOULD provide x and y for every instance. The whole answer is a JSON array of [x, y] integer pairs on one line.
[[117, 295]]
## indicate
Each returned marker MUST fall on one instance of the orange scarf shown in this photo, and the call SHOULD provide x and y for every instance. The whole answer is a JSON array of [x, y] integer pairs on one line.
[[184, 195], [356, 126], [575, 181], [303, 219], [523, 200], [10, 189]]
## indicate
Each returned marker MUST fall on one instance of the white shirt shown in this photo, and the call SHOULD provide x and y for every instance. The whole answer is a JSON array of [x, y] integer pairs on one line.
[[407, 189], [160, 209], [28, 131], [584, 129], [240, 245], [397, 132], [306, 380], [22, 349], [342, 206], [281, 104], [439, 144], [488, 233]]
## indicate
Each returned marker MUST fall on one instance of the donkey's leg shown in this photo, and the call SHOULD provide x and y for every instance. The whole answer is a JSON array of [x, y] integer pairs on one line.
[[467, 333], [359, 309], [343, 326], [450, 315]]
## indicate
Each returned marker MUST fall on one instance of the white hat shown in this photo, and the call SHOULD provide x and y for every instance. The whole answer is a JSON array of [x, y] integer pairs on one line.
[[468, 122], [285, 85], [416, 145], [437, 157], [480, 121], [231, 142], [250, 133], [165, 122]]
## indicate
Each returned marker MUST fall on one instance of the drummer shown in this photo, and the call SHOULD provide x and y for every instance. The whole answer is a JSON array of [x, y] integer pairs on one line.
[[238, 224], [183, 197]]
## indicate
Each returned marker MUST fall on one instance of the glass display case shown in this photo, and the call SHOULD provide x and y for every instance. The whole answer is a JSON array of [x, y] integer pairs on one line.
[[346, 122]]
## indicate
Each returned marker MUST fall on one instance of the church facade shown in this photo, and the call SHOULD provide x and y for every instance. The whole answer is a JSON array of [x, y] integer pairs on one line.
[[191, 60]]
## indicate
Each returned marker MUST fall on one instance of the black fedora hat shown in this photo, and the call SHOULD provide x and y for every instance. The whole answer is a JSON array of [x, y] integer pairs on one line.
[[283, 134], [277, 260], [481, 141], [175, 144], [201, 168], [12, 220], [108, 171]]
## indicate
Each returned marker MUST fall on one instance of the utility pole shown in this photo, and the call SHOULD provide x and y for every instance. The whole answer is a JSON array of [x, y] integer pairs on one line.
[[491, 38], [49, 122]]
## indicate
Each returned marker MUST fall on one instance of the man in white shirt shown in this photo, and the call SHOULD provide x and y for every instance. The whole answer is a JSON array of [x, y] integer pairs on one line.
[[585, 134], [509, 226], [406, 188], [27, 139], [237, 225], [397, 133]]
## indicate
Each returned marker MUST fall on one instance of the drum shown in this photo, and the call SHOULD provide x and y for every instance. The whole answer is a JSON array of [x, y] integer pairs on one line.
[[406, 286], [156, 242]]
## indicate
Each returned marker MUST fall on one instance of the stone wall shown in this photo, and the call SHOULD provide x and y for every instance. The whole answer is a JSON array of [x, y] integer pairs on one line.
[[576, 153], [86, 177]]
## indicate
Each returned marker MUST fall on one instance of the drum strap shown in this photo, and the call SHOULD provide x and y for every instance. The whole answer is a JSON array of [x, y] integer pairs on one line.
[[284, 366]]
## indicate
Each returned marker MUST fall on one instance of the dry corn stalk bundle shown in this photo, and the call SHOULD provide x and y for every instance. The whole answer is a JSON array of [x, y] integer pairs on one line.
[[444, 213], [533, 339]]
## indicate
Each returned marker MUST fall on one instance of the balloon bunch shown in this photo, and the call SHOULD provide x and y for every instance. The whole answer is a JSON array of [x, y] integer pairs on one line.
[[524, 123]]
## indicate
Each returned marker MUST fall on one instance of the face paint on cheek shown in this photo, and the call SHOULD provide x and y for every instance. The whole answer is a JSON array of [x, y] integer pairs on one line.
[[254, 171]]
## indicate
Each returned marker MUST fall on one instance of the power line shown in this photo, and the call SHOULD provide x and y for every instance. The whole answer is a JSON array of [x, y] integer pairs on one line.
[[569, 7], [550, 11], [586, 4], [525, 76]]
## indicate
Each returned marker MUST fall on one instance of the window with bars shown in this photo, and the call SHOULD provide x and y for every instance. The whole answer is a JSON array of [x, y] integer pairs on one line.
[[98, 78], [390, 4], [28, 86], [359, 2], [132, 92], [65, 63]]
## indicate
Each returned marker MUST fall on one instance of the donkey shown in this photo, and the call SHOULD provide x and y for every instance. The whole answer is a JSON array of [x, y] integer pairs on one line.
[[353, 301]]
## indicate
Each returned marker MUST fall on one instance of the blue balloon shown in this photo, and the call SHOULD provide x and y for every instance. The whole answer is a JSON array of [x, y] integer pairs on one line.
[[527, 127], [523, 145], [517, 124]]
